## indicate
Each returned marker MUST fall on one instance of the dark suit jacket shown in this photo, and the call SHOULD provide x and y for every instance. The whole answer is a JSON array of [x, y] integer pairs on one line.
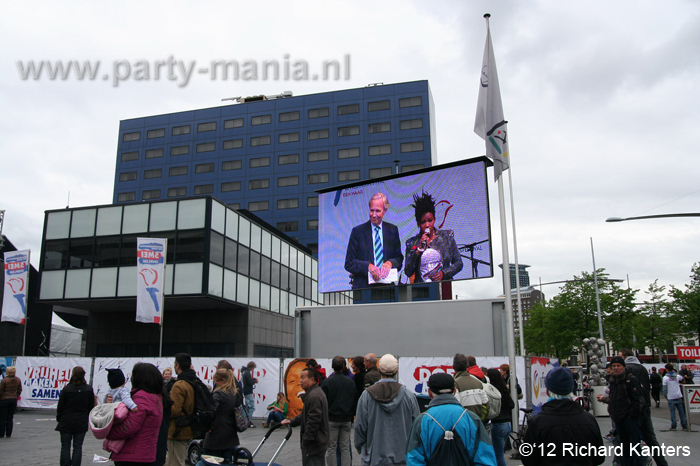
[[361, 251]]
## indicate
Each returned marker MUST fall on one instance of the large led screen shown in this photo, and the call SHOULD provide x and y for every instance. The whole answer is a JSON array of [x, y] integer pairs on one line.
[[450, 240]]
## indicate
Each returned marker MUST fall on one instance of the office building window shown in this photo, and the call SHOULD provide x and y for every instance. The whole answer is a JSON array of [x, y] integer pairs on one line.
[[411, 102], [408, 168], [180, 150], [231, 165], [204, 189], [348, 131], [289, 116], [378, 172], [127, 176], [376, 106], [151, 194], [261, 120], [384, 149], [412, 124], [204, 168], [379, 127], [348, 109], [318, 112], [234, 205], [230, 186], [288, 159], [319, 178], [180, 130], [206, 147], [204, 127], [178, 171], [350, 153], [349, 175], [233, 144], [154, 153], [318, 134], [258, 206], [155, 133], [317, 156], [153, 173], [235, 123], [283, 181], [312, 225], [260, 141], [288, 137], [130, 156], [288, 226], [312, 201], [259, 162], [412, 146], [177, 192], [131, 137], [126, 197], [287, 204], [259, 184]]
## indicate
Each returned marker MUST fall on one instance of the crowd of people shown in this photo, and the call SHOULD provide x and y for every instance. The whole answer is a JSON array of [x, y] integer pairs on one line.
[[150, 422]]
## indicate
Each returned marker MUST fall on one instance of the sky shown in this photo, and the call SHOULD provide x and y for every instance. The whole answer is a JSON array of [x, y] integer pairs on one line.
[[602, 100]]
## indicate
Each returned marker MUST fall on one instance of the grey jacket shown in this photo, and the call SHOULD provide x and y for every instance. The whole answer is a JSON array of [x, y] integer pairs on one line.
[[385, 414]]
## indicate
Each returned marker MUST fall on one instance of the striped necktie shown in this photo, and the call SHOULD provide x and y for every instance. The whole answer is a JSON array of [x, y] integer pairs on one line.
[[378, 248]]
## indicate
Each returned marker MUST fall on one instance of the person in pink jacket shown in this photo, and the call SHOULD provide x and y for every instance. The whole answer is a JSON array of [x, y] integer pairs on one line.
[[140, 429]]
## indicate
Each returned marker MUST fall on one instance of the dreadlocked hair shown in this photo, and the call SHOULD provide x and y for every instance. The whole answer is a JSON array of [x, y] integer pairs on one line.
[[423, 204]]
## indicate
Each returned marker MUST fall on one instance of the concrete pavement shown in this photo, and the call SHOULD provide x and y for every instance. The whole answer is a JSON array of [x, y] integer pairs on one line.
[[35, 442]]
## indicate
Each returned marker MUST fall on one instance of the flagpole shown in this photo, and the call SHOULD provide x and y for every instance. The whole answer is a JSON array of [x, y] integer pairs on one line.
[[517, 265]]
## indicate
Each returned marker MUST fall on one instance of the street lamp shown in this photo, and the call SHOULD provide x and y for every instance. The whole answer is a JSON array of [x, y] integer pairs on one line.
[[644, 217]]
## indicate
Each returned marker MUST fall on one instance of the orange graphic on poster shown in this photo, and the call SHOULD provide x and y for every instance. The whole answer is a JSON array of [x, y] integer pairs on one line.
[[292, 387]]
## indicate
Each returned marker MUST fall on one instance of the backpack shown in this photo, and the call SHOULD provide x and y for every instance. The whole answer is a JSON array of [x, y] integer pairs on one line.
[[494, 399], [450, 448], [202, 419]]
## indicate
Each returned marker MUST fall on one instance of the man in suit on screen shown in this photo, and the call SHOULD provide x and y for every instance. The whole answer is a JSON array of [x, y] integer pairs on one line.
[[374, 247]]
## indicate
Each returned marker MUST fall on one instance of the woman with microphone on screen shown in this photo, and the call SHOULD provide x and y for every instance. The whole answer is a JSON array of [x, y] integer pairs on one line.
[[431, 255]]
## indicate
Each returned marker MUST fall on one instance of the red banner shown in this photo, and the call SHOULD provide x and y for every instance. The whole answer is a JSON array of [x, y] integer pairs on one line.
[[688, 352]]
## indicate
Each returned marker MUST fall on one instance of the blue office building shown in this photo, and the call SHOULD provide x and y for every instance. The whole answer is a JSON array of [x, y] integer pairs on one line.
[[269, 154]]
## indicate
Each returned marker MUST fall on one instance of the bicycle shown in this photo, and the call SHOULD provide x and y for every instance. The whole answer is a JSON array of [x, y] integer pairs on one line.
[[585, 401], [517, 437]]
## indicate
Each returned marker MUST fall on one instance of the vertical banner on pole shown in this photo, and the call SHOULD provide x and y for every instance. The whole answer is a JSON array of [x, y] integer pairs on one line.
[[14, 301], [150, 270]]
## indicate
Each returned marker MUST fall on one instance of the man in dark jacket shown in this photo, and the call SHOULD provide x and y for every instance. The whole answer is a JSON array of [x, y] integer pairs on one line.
[[655, 382], [372, 375], [313, 420], [645, 424], [626, 408], [340, 392], [562, 422], [248, 382]]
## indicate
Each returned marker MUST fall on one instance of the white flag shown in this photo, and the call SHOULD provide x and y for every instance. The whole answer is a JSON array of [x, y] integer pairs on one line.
[[490, 124], [14, 298], [150, 276]]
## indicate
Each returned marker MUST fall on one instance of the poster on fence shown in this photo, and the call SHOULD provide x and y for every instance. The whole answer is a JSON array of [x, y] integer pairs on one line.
[[99, 380], [44, 378], [539, 369]]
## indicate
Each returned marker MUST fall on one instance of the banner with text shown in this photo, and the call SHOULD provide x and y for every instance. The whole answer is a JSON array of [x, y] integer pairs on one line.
[[44, 378], [150, 269], [14, 300], [539, 367]]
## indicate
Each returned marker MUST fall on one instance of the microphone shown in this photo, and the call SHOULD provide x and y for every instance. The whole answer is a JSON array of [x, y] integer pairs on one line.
[[424, 244]]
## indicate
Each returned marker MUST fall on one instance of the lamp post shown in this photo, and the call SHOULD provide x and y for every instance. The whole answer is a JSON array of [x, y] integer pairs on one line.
[[645, 217]]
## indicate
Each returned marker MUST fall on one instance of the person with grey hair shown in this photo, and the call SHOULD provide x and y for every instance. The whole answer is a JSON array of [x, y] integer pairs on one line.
[[562, 422], [385, 414], [374, 247], [372, 375]]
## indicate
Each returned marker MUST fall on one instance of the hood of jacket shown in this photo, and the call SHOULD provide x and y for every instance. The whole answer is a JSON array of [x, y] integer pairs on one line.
[[672, 375], [187, 374], [476, 372], [632, 360], [562, 407], [388, 393]]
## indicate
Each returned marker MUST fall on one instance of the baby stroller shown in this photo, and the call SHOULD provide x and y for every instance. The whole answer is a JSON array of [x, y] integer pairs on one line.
[[243, 456]]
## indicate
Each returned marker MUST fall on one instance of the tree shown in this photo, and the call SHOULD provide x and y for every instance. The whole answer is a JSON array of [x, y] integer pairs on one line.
[[558, 327], [685, 308], [654, 329]]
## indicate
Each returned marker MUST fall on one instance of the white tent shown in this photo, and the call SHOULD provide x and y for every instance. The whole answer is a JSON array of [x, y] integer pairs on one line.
[[65, 339]]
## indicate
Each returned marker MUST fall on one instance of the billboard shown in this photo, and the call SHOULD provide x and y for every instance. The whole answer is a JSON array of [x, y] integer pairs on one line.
[[362, 243]]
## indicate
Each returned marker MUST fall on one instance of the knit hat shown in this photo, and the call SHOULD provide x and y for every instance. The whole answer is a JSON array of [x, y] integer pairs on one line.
[[388, 365], [440, 383], [559, 381], [115, 378], [617, 360]]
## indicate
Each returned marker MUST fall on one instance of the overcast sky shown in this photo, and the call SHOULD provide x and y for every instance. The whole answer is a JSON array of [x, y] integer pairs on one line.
[[602, 100]]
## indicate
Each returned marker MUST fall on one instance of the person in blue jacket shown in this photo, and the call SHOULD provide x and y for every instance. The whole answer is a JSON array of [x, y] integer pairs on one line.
[[446, 410]]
